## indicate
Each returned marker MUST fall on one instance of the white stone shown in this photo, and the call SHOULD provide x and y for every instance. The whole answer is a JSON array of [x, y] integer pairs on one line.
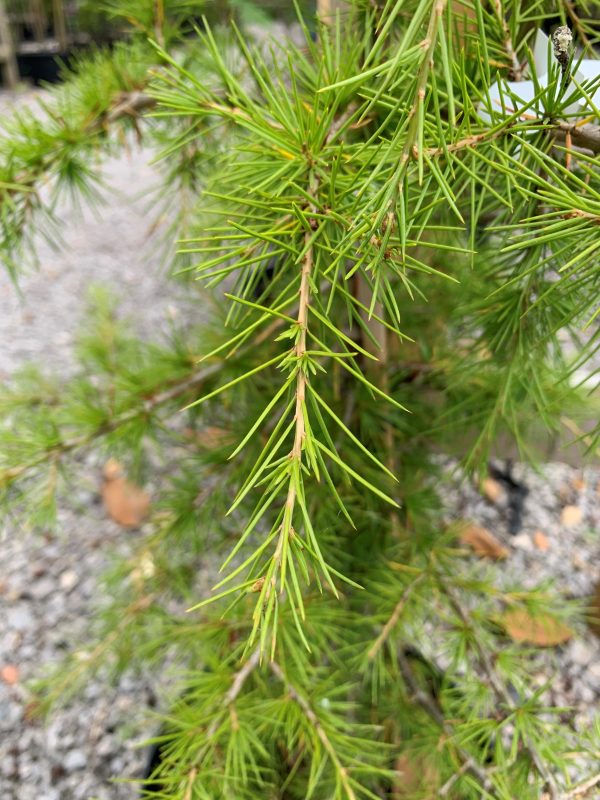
[[74, 760], [522, 541], [19, 618], [581, 652], [586, 695], [42, 588], [68, 580]]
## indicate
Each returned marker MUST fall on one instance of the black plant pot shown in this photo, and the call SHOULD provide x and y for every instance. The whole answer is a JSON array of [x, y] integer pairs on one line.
[[42, 67], [154, 761], [43, 62]]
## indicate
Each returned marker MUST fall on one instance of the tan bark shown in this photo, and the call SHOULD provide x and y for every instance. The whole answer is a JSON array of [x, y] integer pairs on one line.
[[8, 61], [327, 9], [59, 22]]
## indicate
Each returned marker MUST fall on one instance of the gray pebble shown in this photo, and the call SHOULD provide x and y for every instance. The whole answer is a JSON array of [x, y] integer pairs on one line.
[[19, 618], [586, 695], [592, 675], [522, 542], [8, 766], [117, 766], [10, 715], [106, 747], [74, 760], [42, 588], [53, 734], [581, 652], [68, 580]]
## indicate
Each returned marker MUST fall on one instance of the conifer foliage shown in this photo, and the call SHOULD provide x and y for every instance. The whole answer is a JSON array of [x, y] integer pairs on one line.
[[400, 258]]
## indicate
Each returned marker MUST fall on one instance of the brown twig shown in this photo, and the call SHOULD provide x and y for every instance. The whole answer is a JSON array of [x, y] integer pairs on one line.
[[428, 45], [300, 350], [428, 704], [516, 70], [583, 788], [189, 789], [239, 679], [237, 684], [301, 383], [159, 21], [578, 212], [394, 617], [149, 405], [130, 104], [585, 136], [498, 687], [570, 9], [318, 727]]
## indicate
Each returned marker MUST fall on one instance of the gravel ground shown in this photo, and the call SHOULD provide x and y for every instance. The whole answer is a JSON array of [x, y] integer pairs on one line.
[[111, 246], [46, 600], [557, 541], [49, 586]]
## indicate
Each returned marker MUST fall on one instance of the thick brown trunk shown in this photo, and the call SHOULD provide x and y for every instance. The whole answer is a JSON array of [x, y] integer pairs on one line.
[[60, 27], [8, 62], [327, 9]]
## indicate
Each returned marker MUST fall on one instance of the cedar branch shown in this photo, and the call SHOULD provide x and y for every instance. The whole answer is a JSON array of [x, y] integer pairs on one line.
[[394, 617], [516, 70], [149, 405], [499, 688], [428, 704], [318, 727]]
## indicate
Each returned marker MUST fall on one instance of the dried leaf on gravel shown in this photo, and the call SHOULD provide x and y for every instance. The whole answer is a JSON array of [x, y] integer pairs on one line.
[[571, 516], [9, 674], [594, 611], [210, 437], [124, 502], [492, 490], [482, 542], [213, 437], [542, 630], [541, 541], [417, 774]]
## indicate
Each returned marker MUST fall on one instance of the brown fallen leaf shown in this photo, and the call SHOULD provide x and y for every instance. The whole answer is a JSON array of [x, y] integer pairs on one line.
[[33, 711], [542, 630], [417, 776], [578, 484], [594, 611], [123, 501], [482, 542], [492, 490], [571, 516], [211, 437], [565, 493], [9, 674], [541, 541]]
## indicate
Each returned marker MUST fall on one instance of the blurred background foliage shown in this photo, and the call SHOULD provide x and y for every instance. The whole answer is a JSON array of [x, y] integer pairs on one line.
[[101, 21]]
